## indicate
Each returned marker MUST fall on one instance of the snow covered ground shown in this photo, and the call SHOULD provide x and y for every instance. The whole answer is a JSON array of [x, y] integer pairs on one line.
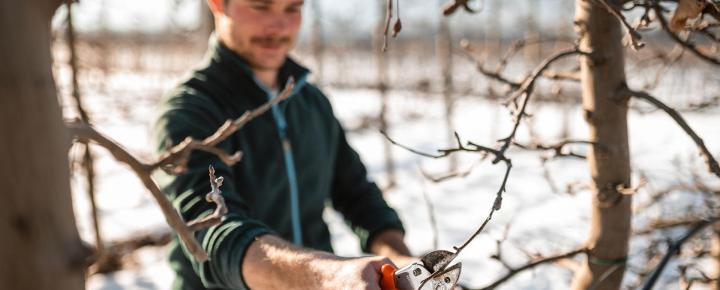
[[535, 218]]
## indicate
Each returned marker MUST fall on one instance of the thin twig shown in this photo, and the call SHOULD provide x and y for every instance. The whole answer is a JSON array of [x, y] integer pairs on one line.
[[499, 154], [214, 196], [688, 45], [558, 148], [496, 75], [514, 271], [388, 18], [431, 215], [454, 174], [712, 164], [674, 248], [635, 37], [87, 156], [451, 6], [527, 89], [175, 159], [85, 133]]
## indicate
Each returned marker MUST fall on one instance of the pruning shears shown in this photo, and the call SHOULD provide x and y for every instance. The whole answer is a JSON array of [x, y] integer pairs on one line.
[[431, 273]]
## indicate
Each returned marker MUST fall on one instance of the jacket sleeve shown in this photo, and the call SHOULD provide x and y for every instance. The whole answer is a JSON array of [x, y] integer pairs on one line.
[[357, 198], [227, 242]]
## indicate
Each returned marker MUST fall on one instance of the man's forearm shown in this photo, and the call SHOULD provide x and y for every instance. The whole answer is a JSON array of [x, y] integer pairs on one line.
[[272, 263], [391, 244]]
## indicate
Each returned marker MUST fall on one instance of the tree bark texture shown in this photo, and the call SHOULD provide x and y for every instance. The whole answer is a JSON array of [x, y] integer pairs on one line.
[[603, 75], [39, 246]]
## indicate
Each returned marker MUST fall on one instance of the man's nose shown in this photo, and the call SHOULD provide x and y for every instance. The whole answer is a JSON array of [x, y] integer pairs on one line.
[[276, 24]]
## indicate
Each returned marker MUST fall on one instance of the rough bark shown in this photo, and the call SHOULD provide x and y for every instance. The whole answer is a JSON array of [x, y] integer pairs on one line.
[[603, 74], [39, 245]]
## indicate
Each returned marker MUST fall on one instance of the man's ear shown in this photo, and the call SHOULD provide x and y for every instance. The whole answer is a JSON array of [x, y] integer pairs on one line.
[[217, 6]]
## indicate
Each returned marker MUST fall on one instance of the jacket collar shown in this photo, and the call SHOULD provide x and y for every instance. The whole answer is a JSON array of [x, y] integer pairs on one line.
[[224, 57]]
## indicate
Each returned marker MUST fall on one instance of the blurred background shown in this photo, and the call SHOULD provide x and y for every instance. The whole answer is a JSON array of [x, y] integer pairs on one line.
[[425, 87]]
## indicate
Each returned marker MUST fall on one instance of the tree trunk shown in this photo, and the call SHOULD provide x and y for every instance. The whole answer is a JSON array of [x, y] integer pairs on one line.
[[603, 74], [39, 245]]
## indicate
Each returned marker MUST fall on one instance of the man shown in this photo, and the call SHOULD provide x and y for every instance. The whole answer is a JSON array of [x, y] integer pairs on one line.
[[295, 158]]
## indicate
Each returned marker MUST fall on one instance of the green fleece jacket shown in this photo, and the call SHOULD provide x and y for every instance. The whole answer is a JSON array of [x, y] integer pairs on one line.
[[317, 167]]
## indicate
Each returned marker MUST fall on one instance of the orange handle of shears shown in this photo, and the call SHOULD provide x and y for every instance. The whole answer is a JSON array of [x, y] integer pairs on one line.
[[387, 277]]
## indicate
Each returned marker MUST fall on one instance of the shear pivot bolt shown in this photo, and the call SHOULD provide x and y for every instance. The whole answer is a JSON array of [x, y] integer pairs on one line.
[[447, 280], [417, 272]]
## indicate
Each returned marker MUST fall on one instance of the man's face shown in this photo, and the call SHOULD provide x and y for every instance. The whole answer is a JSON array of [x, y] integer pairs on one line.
[[261, 31]]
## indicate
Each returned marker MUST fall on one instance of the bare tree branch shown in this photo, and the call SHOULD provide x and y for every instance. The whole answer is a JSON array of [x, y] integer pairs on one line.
[[388, 18], [451, 6], [635, 37], [546, 260], [528, 86], [688, 45], [454, 174], [660, 224], [573, 76], [431, 215], [526, 89], [674, 249], [712, 164], [175, 159], [214, 196], [86, 133], [558, 149]]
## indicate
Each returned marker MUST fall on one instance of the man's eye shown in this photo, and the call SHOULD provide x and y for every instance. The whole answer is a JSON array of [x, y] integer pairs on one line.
[[261, 7], [294, 9]]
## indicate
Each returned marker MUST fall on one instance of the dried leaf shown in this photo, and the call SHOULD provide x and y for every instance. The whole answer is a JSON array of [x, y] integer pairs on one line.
[[687, 9], [397, 27]]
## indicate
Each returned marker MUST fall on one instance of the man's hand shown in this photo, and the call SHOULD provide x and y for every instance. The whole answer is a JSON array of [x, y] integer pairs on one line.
[[272, 263], [391, 244], [355, 273]]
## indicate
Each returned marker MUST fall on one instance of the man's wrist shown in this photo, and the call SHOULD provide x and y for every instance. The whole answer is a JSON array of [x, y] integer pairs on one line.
[[390, 243]]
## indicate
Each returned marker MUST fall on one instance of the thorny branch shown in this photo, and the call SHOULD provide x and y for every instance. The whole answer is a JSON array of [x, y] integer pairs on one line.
[[176, 158]]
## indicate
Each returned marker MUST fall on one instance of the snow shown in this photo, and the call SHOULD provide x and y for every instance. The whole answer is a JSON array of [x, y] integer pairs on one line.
[[537, 219]]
